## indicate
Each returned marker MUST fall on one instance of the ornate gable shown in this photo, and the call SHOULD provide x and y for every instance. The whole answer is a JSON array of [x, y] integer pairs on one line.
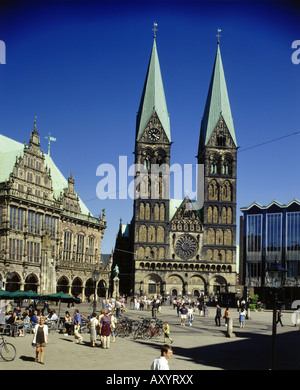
[[186, 218], [154, 131], [221, 136]]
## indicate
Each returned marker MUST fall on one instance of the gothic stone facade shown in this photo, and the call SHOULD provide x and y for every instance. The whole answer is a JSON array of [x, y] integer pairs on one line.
[[178, 247], [47, 242]]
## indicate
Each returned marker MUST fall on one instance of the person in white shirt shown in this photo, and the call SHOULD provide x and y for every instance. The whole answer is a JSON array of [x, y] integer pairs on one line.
[[161, 363]]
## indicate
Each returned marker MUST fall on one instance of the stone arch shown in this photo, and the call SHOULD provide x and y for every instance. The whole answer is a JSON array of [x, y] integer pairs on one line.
[[160, 234], [142, 211], [156, 212], [218, 284], [142, 233], [229, 215], [13, 282], [228, 237], [63, 284], [31, 283], [141, 252], [89, 288], [197, 282], [215, 163], [211, 237], [161, 253], [102, 288], [227, 164], [151, 234], [152, 284], [213, 190], [76, 288], [162, 212], [226, 192]]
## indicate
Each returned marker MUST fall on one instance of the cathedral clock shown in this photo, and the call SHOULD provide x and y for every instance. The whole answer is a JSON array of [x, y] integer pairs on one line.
[[154, 134]]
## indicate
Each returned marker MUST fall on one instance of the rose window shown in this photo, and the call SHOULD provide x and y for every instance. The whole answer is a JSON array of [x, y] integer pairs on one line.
[[186, 246]]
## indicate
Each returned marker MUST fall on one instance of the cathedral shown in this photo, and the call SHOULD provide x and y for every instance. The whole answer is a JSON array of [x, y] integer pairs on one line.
[[181, 246]]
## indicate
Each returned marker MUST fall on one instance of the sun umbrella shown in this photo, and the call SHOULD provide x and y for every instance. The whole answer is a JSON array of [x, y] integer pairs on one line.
[[25, 294], [60, 297], [5, 294]]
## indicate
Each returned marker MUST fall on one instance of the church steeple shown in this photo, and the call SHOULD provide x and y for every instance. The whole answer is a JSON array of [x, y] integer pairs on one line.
[[153, 97], [217, 104]]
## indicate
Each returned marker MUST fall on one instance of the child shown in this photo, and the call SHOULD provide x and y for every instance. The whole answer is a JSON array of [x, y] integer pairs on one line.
[[166, 329]]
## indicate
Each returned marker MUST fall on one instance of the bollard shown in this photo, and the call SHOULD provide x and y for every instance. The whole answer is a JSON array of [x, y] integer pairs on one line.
[[229, 332]]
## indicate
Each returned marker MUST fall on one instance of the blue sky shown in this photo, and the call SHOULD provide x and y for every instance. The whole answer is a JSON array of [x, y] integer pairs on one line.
[[80, 67]]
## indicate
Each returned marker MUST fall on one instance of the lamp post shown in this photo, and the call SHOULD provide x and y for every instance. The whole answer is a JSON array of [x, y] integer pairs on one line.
[[275, 273], [95, 279]]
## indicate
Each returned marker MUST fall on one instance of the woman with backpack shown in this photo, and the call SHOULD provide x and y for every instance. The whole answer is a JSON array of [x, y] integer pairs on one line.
[[105, 330]]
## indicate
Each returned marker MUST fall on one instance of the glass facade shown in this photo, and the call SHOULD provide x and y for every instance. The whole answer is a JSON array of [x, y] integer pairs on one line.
[[273, 237], [254, 237], [293, 244]]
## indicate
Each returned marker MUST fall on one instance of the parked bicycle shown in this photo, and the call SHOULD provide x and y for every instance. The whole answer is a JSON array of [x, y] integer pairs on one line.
[[7, 350]]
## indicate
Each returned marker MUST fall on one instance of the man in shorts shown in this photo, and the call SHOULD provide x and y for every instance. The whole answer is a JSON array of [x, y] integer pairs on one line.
[[183, 312]]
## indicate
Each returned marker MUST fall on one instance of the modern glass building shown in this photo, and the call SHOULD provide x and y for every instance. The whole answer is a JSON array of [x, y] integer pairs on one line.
[[270, 233]]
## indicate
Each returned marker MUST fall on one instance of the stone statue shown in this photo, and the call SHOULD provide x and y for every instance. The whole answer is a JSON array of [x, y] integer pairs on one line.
[[116, 271]]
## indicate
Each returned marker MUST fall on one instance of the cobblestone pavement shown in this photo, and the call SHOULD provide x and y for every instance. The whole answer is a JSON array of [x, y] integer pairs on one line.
[[200, 347]]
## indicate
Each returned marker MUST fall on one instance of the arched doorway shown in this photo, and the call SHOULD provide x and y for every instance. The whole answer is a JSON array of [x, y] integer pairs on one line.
[[76, 289], [31, 283], [89, 289], [101, 290], [13, 282], [218, 284], [63, 284]]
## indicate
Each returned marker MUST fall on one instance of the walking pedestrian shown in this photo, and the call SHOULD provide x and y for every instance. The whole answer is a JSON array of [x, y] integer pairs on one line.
[[183, 312], [279, 315], [93, 323], [77, 324], [161, 362], [242, 318], [105, 330], [166, 329], [218, 316], [226, 316], [190, 315], [40, 339]]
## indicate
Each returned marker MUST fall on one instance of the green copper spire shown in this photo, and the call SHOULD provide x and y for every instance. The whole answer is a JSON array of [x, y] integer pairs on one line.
[[153, 97], [217, 103]]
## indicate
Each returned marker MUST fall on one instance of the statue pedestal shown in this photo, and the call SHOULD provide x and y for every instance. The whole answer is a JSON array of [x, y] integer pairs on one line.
[[116, 292]]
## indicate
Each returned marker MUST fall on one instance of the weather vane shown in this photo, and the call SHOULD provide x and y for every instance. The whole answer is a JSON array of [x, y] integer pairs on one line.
[[154, 29], [49, 141], [219, 35]]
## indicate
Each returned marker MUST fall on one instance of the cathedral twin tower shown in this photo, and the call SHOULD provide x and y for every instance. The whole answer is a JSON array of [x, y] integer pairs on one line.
[[181, 246]]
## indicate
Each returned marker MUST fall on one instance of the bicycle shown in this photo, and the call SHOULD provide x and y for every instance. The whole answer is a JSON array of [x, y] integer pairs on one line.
[[7, 350], [154, 330]]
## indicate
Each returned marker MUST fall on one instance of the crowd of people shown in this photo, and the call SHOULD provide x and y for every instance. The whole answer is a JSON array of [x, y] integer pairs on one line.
[[101, 326]]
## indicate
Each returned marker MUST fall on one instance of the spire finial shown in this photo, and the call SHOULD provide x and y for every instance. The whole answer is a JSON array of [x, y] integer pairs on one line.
[[34, 123], [154, 29], [219, 35]]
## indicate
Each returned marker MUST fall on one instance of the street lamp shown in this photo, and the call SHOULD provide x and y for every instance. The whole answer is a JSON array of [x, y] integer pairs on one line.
[[95, 279], [275, 276]]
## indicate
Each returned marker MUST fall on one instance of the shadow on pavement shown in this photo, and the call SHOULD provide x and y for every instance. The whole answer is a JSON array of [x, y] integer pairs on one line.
[[246, 351]]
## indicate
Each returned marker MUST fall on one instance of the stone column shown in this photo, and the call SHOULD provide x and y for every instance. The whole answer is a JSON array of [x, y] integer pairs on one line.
[[229, 332], [116, 292]]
